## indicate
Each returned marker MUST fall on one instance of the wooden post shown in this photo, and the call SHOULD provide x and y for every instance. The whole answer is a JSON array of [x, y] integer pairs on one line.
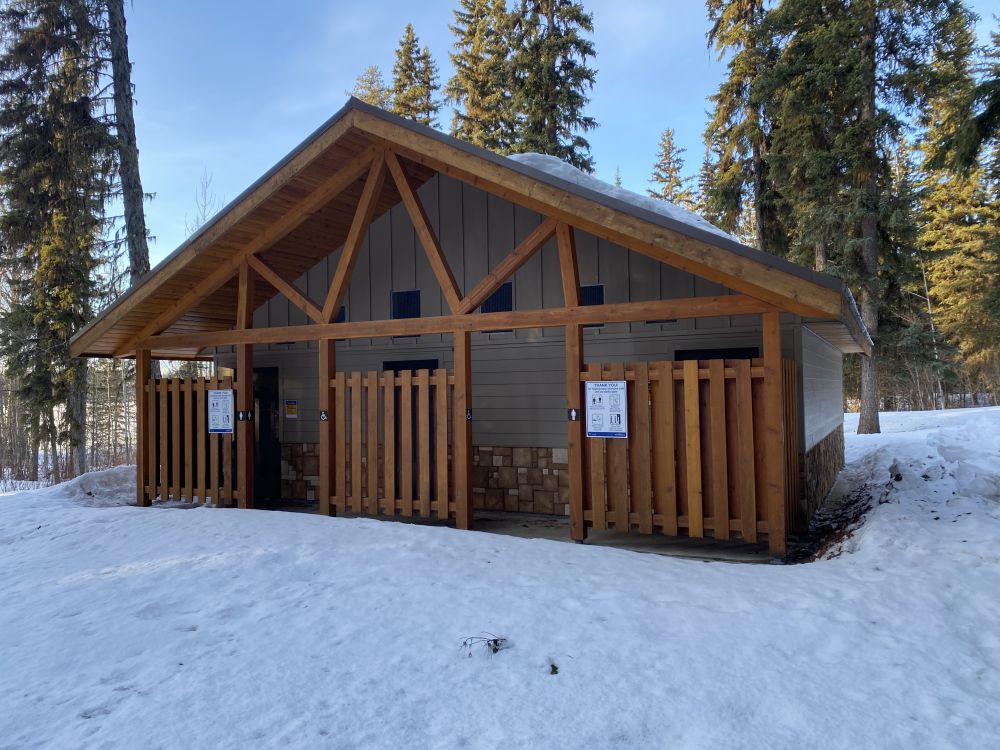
[[574, 430], [244, 427], [462, 429], [574, 365], [244, 393], [773, 431], [327, 368], [142, 396]]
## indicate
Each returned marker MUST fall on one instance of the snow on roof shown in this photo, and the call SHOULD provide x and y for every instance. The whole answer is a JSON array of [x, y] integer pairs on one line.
[[558, 168]]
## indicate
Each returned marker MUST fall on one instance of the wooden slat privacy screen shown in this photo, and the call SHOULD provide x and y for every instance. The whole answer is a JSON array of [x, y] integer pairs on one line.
[[184, 461], [694, 457], [392, 445]]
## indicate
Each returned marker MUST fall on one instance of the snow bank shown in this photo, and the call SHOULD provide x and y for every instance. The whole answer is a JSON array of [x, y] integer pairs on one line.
[[136, 627], [558, 168]]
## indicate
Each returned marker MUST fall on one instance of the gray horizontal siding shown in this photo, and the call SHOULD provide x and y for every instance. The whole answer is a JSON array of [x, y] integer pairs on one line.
[[822, 388], [518, 387]]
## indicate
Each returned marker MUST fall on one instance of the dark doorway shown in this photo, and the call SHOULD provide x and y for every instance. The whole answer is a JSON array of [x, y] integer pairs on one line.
[[413, 365], [267, 446]]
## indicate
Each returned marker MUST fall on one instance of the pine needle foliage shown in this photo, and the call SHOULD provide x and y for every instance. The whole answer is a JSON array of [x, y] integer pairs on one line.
[[414, 81]]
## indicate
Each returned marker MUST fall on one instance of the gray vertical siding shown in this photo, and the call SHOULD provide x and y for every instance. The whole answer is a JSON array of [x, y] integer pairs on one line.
[[822, 387], [518, 392]]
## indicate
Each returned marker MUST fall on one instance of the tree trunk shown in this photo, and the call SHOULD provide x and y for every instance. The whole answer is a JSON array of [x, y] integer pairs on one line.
[[758, 192], [76, 415], [128, 150], [819, 250], [128, 162], [868, 183]]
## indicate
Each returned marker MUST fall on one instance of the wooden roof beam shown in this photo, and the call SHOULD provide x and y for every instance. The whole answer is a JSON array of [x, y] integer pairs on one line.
[[567, 265], [352, 245], [432, 248], [625, 312]]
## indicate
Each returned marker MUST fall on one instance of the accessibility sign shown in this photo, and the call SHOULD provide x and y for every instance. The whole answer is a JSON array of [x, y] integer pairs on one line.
[[607, 409]]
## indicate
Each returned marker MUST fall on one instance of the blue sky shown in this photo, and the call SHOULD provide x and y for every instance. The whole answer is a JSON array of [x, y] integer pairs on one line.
[[228, 88]]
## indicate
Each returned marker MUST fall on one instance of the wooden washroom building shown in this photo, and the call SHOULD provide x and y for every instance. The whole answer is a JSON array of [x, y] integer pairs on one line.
[[408, 325]]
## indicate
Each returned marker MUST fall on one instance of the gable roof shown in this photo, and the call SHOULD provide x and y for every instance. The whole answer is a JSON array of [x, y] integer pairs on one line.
[[301, 209]]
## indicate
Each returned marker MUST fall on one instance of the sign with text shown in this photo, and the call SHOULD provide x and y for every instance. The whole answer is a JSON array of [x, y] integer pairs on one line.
[[220, 412], [291, 409], [607, 409]]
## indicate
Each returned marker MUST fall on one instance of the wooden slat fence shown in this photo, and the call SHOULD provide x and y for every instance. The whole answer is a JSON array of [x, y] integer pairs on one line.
[[392, 443], [185, 463], [694, 458]]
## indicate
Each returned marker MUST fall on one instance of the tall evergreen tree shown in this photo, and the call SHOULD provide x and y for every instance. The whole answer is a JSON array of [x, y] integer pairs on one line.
[[552, 79], [414, 81], [481, 84], [960, 232], [57, 156], [739, 131], [670, 184], [978, 117], [370, 87], [856, 67]]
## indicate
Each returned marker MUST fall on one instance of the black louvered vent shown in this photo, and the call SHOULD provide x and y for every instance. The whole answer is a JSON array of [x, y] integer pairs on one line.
[[502, 300], [406, 304]]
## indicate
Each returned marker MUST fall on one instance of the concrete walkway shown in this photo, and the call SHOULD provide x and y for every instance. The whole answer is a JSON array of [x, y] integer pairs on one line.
[[556, 528]]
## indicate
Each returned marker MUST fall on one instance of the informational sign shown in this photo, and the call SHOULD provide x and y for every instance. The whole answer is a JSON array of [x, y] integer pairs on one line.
[[220, 412], [607, 409], [291, 409]]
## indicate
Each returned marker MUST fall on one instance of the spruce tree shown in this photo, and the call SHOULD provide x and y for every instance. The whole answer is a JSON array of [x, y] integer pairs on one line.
[[370, 88], [845, 76], [57, 156], [671, 185], [481, 84], [739, 131], [552, 79], [960, 216], [414, 81], [978, 117]]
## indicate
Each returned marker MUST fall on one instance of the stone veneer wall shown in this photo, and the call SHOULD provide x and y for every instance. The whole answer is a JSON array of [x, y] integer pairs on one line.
[[527, 480], [820, 467], [300, 471]]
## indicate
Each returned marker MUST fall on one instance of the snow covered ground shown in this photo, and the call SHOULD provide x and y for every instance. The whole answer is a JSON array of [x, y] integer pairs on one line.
[[123, 627]]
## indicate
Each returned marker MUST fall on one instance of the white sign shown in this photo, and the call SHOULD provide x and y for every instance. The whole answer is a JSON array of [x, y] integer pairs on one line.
[[607, 409], [220, 412]]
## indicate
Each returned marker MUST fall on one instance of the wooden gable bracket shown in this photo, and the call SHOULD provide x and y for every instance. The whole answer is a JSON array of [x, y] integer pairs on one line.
[[326, 191], [352, 245], [429, 241], [506, 267], [294, 295]]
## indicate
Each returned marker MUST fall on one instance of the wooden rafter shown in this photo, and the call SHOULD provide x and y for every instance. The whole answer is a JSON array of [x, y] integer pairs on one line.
[[429, 241], [567, 264], [625, 312], [244, 299], [508, 266], [296, 297], [323, 194], [352, 245]]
